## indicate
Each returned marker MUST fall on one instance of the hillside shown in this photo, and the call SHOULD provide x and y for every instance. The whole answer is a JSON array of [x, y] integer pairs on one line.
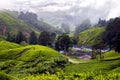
[[11, 21], [17, 60], [12, 24], [111, 55], [35, 62], [109, 63], [91, 36], [4, 45], [32, 20]]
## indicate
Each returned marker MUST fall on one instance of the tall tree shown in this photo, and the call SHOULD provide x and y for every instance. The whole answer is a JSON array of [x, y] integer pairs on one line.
[[53, 36], [112, 33], [20, 37], [44, 38], [9, 38], [33, 38], [63, 42], [117, 40], [102, 23]]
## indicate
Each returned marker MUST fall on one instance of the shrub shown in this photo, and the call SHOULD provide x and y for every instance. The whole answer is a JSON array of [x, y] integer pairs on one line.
[[4, 76]]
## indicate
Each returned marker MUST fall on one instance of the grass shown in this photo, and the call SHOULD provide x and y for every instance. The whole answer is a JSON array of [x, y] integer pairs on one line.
[[90, 36], [95, 66], [74, 76], [2, 37], [4, 45], [4, 76], [12, 50], [13, 24], [111, 62], [35, 62], [32, 59], [111, 55]]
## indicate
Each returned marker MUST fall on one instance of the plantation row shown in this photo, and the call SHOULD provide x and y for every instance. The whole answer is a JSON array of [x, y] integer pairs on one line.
[[64, 76]]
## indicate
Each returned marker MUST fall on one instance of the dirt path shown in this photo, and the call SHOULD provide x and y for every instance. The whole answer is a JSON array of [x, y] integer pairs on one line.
[[73, 61]]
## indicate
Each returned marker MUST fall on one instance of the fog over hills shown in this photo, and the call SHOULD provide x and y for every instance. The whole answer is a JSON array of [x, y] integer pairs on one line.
[[72, 12]]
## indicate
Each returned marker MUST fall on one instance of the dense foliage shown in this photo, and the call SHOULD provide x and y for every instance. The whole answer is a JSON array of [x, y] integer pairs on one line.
[[112, 34], [47, 38], [33, 38], [63, 43], [74, 76], [39, 62], [33, 59]]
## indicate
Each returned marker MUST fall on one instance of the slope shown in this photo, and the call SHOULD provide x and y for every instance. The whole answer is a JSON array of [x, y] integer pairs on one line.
[[11, 23], [4, 45], [111, 55], [110, 63], [32, 20], [30, 59], [91, 36]]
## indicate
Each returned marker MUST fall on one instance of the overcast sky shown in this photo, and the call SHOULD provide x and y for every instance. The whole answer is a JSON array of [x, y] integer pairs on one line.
[[64, 10]]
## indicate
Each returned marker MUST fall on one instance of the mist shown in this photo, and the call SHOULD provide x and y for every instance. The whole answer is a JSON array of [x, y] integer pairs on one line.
[[72, 12]]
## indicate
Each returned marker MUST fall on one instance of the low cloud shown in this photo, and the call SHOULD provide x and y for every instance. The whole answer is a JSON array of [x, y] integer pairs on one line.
[[71, 11]]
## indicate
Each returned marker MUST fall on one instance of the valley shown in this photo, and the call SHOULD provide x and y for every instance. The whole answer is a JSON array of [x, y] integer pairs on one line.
[[35, 50]]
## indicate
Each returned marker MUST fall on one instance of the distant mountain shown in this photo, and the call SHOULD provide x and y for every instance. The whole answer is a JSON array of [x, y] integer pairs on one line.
[[9, 23], [32, 20], [12, 21]]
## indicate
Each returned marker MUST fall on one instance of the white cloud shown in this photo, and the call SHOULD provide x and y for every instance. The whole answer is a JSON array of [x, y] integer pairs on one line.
[[6, 4], [114, 9], [54, 8], [73, 9]]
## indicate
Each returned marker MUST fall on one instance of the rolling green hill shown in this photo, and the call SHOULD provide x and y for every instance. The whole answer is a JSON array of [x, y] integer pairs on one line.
[[33, 59], [12, 24], [35, 62], [111, 55], [4, 45], [110, 63], [91, 36]]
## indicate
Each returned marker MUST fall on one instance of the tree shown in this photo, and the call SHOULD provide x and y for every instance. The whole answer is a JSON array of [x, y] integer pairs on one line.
[[20, 37], [44, 38], [97, 50], [102, 23], [117, 40], [33, 38], [74, 41], [112, 33], [23, 43], [63, 42], [9, 38], [53, 38]]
